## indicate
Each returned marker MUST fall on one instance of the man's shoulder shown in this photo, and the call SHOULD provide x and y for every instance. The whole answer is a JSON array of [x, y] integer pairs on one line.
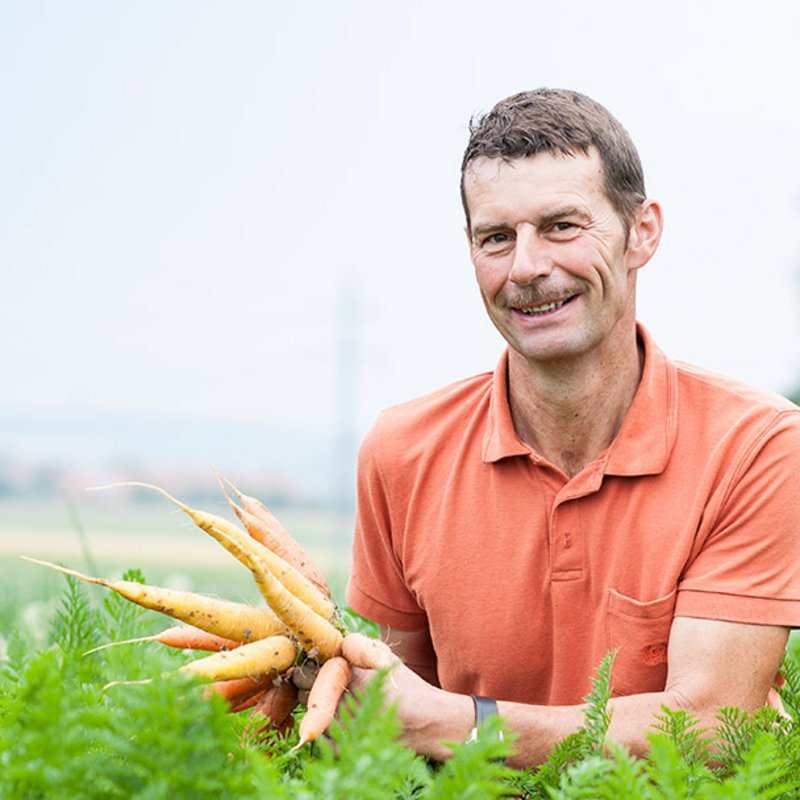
[[716, 409], [729, 396]]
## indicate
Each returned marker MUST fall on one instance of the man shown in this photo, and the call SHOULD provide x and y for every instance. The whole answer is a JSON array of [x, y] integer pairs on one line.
[[587, 495]]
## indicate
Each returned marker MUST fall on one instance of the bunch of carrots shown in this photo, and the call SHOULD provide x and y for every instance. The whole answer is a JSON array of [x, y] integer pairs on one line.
[[261, 658]]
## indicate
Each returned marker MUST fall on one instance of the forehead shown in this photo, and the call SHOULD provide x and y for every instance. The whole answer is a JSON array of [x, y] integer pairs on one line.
[[541, 179]]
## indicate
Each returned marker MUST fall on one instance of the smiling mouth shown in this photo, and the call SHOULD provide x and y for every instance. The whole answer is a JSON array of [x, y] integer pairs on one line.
[[544, 308]]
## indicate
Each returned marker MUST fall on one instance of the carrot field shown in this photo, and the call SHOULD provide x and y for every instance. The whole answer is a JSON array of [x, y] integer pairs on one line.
[[80, 720]]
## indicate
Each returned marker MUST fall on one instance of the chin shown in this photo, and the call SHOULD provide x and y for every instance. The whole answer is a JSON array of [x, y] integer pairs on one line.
[[550, 351]]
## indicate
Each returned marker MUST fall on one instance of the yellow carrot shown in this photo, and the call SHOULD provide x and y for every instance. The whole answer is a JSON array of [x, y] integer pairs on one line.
[[231, 620], [264, 577], [314, 633], [271, 655], [264, 527], [237, 542]]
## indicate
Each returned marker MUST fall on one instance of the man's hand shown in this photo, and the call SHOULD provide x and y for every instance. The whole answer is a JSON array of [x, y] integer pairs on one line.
[[427, 714]]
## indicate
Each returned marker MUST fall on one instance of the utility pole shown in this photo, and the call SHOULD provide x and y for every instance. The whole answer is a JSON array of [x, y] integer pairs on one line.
[[345, 416]]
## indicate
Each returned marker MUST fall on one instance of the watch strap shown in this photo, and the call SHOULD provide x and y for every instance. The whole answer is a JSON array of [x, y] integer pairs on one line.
[[485, 707]]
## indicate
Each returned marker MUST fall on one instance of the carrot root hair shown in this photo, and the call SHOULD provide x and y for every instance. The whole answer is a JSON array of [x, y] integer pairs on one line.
[[73, 573], [124, 641], [127, 683]]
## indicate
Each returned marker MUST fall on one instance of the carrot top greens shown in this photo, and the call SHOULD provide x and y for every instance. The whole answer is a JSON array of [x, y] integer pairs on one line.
[[62, 737]]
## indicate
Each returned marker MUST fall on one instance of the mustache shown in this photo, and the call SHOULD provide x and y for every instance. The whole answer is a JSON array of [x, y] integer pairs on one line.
[[535, 295]]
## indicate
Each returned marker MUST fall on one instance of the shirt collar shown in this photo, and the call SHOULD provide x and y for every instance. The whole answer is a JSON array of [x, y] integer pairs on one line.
[[647, 435], [645, 439], [500, 439]]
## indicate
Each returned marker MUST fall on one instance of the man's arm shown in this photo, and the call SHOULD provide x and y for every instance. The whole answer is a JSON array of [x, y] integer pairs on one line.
[[712, 664]]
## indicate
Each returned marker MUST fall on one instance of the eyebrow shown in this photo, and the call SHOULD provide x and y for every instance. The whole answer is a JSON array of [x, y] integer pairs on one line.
[[482, 230], [566, 211]]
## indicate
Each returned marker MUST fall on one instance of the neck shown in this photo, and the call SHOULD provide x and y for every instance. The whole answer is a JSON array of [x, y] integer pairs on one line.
[[570, 412]]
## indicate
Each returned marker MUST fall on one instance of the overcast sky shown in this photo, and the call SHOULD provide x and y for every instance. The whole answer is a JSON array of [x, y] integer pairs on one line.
[[188, 190]]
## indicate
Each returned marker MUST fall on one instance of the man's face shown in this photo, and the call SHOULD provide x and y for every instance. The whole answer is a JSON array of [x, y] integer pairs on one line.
[[549, 252]]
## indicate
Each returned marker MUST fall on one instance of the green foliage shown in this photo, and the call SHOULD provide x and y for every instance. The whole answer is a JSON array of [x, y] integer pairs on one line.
[[64, 733], [762, 774], [477, 769], [363, 757], [617, 776], [73, 625], [586, 743], [355, 623], [682, 730], [17, 649], [122, 617], [790, 692]]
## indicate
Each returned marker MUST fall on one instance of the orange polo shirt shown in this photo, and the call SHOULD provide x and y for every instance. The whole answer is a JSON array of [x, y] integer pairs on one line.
[[527, 578]]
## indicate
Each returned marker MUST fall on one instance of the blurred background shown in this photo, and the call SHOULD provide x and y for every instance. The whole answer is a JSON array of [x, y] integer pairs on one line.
[[230, 234]]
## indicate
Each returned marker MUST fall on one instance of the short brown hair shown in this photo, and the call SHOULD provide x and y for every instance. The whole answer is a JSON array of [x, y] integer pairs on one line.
[[560, 121]]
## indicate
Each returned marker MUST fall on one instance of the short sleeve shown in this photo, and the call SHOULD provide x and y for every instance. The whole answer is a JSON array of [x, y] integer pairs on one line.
[[748, 569], [376, 588]]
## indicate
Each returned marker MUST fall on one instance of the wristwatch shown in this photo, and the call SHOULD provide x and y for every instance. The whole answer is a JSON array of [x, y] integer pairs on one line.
[[485, 707]]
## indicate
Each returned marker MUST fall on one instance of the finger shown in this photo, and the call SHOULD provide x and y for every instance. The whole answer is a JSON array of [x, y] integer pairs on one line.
[[359, 677]]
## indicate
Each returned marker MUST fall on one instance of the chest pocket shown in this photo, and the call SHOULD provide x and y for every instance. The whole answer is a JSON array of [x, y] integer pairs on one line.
[[640, 633]]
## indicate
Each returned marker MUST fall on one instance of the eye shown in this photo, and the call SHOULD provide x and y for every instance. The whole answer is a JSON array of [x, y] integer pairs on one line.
[[496, 242], [563, 230]]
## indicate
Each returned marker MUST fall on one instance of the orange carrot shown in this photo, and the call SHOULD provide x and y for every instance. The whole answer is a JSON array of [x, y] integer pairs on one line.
[[182, 637], [286, 726], [237, 621], [237, 690], [266, 656], [367, 653], [323, 700], [248, 702], [275, 705], [253, 554], [265, 528]]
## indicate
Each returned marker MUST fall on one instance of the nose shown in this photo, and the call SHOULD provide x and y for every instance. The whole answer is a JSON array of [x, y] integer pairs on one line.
[[531, 257]]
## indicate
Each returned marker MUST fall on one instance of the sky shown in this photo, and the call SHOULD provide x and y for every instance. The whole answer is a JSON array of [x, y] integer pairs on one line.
[[249, 211]]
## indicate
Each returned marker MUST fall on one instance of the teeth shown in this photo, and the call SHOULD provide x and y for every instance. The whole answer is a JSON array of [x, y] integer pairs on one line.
[[544, 308]]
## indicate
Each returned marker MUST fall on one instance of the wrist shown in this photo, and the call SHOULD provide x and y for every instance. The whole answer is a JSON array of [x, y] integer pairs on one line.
[[449, 717], [485, 707]]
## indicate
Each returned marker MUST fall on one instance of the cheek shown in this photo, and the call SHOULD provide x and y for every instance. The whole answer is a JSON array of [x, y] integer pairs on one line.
[[491, 276], [593, 264]]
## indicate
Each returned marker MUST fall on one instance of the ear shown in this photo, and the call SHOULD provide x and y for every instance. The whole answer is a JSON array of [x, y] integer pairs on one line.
[[645, 234]]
